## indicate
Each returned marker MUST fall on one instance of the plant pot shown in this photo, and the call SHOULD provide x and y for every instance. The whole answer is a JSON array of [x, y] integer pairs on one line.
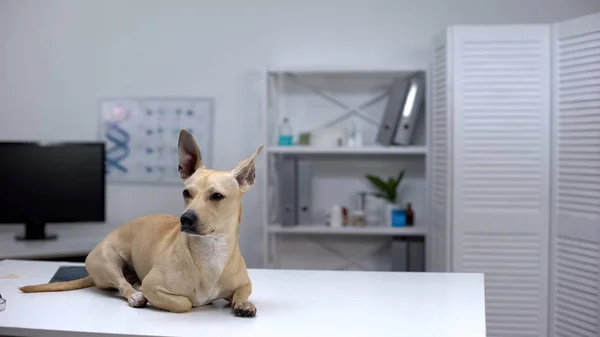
[[395, 216]]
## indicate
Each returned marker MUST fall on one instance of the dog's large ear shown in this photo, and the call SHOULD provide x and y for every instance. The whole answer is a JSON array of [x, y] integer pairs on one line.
[[190, 158], [245, 172]]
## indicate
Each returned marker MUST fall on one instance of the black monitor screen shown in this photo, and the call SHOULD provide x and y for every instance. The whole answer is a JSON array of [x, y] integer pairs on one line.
[[57, 182]]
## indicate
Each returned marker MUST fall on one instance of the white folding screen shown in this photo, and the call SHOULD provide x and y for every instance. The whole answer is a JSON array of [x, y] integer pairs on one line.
[[575, 271], [440, 145], [496, 165], [501, 170]]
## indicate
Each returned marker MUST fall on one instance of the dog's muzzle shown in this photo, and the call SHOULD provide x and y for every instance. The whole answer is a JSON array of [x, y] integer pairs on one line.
[[189, 221]]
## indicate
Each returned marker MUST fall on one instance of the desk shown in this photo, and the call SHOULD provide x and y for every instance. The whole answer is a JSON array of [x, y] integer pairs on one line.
[[73, 240], [289, 303]]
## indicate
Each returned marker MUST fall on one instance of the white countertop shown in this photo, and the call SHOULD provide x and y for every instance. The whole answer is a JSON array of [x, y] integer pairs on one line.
[[289, 303], [73, 240]]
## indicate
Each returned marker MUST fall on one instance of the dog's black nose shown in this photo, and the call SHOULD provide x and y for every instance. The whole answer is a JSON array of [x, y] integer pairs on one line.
[[188, 220]]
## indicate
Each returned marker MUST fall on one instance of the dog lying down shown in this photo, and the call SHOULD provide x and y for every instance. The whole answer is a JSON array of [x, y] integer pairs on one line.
[[178, 263]]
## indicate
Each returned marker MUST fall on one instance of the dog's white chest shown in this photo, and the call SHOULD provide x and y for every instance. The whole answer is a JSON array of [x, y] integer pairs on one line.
[[213, 256]]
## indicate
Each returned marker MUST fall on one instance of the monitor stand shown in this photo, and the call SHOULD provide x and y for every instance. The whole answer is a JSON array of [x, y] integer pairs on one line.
[[35, 231]]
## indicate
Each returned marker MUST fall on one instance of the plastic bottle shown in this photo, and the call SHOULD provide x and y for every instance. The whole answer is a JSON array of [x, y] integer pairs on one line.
[[285, 133], [336, 219]]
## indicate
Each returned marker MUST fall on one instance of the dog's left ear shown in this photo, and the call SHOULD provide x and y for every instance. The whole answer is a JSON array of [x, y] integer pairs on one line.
[[245, 172]]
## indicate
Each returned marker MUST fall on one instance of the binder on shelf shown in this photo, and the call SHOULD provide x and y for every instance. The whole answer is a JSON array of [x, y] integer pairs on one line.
[[304, 187], [405, 104], [288, 191]]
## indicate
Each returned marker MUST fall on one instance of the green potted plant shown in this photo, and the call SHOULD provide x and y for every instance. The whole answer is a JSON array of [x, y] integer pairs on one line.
[[387, 189]]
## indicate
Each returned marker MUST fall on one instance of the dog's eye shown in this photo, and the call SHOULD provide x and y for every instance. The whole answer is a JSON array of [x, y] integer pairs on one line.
[[217, 197], [186, 194]]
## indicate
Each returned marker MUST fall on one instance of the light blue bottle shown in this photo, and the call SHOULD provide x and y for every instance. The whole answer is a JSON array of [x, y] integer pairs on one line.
[[286, 133]]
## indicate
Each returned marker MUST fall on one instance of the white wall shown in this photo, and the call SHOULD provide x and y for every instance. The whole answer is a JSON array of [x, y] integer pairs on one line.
[[57, 58]]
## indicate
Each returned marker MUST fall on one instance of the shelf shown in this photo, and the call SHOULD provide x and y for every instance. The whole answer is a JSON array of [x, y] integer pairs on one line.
[[326, 230], [349, 68], [366, 150]]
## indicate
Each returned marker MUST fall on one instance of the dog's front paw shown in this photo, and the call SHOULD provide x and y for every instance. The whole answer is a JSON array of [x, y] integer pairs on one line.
[[244, 309], [137, 300]]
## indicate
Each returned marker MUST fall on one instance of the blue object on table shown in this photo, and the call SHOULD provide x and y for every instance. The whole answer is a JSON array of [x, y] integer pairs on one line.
[[398, 218], [69, 273]]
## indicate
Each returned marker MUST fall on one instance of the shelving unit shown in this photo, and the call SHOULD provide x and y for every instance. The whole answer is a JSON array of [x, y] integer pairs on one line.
[[335, 97]]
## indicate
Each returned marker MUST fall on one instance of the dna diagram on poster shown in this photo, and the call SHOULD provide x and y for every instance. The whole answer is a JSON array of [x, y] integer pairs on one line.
[[141, 136]]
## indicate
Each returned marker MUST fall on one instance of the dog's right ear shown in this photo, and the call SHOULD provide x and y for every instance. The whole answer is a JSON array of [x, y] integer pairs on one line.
[[190, 158]]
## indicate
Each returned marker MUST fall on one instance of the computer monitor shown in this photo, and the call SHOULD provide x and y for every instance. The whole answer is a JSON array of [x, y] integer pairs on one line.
[[44, 183]]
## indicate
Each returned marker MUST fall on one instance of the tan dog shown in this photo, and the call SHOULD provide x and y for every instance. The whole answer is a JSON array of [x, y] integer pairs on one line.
[[177, 263]]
